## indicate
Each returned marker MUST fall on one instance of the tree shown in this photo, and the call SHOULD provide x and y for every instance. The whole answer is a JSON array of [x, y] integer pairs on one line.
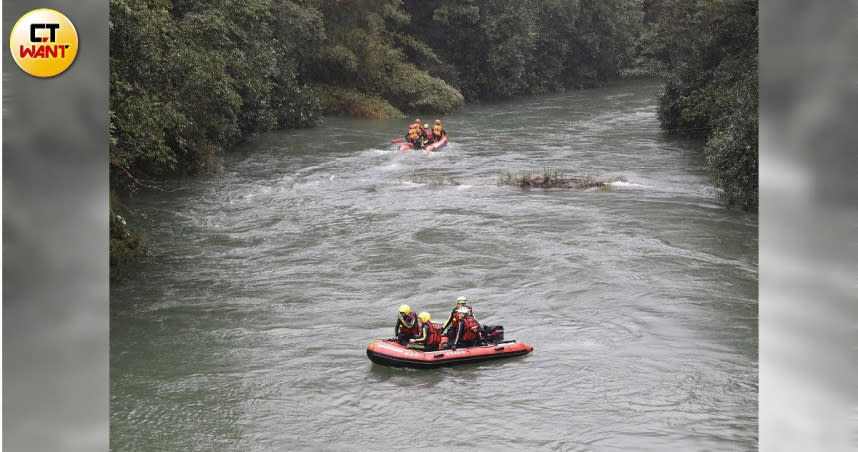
[[706, 52]]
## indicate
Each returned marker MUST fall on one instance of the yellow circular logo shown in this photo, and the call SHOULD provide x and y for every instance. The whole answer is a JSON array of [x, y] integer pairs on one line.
[[43, 42]]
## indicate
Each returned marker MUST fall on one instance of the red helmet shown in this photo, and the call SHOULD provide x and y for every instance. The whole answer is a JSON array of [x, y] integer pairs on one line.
[[438, 121], [417, 120]]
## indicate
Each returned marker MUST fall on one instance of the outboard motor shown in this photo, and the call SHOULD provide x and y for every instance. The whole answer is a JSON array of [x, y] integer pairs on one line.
[[492, 334]]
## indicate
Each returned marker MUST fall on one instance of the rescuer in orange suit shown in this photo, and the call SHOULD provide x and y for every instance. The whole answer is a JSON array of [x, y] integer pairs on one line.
[[413, 136], [438, 131]]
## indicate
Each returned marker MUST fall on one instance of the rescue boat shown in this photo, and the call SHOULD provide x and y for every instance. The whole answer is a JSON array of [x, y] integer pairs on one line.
[[407, 145], [388, 352]]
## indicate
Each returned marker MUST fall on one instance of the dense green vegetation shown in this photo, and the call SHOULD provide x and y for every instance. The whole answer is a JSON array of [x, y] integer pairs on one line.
[[707, 54], [189, 79], [493, 49]]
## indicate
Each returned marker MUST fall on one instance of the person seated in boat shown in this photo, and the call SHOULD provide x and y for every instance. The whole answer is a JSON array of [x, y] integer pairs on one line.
[[453, 319], [438, 131], [467, 331], [406, 325], [418, 124], [430, 334], [413, 136], [414, 125], [428, 137], [451, 326]]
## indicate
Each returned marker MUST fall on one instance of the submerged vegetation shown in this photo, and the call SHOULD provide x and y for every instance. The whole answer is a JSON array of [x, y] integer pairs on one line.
[[189, 80], [553, 178], [432, 178]]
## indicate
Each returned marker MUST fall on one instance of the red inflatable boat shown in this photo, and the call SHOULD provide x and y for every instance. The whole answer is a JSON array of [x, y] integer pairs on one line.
[[388, 352], [431, 148]]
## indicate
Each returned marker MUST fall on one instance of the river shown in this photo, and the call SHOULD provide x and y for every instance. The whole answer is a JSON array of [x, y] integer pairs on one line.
[[247, 328]]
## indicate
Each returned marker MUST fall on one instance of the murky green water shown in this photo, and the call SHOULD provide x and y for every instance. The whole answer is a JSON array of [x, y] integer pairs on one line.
[[248, 329]]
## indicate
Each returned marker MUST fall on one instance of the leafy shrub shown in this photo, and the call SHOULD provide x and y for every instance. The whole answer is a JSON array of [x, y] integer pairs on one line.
[[350, 102]]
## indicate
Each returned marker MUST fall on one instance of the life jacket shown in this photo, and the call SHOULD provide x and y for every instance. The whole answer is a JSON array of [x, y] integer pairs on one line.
[[454, 322], [434, 337], [470, 330], [437, 131], [403, 328], [412, 134]]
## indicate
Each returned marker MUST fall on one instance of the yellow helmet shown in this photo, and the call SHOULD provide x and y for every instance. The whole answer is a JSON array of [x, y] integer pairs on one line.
[[461, 300], [405, 309], [424, 316]]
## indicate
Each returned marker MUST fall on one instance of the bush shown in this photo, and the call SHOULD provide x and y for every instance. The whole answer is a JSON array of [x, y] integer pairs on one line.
[[126, 247], [706, 51], [732, 148], [350, 102], [413, 90]]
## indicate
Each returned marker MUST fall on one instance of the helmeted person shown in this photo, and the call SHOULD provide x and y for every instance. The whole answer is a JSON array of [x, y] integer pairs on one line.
[[452, 319], [467, 329], [438, 131], [429, 337], [428, 138], [421, 127], [418, 124], [413, 136], [451, 326], [406, 325]]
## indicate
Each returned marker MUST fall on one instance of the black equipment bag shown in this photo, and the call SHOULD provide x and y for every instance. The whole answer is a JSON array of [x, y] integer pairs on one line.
[[492, 333]]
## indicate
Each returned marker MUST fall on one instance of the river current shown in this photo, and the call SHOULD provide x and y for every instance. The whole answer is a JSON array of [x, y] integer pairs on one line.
[[247, 328]]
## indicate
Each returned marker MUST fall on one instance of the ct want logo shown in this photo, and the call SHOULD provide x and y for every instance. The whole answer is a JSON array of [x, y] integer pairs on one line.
[[43, 43]]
